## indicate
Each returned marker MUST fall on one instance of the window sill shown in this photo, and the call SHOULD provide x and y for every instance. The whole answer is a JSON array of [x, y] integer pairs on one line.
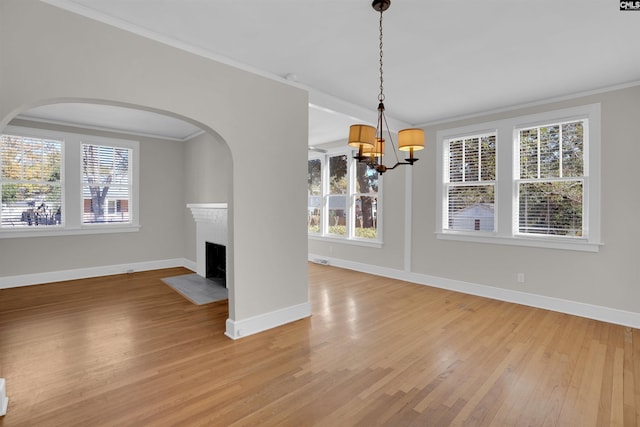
[[61, 231], [581, 245], [357, 242]]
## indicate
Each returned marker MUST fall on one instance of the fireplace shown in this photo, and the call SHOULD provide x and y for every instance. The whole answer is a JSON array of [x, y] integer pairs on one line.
[[216, 263], [211, 228]]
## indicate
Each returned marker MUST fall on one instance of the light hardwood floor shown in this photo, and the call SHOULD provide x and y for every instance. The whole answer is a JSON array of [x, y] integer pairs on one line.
[[128, 351]]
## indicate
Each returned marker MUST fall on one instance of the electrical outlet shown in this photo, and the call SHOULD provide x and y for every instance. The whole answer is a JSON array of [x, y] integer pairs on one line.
[[520, 277]]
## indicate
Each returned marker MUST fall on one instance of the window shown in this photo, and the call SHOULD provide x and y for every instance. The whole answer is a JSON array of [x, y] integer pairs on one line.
[[31, 182], [551, 179], [106, 184], [365, 212], [531, 181], [469, 183], [343, 199], [314, 204], [337, 195], [56, 183]]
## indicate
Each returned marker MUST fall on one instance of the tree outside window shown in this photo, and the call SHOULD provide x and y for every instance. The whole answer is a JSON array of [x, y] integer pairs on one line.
[[551, 185], [106, 182], [366, 202]]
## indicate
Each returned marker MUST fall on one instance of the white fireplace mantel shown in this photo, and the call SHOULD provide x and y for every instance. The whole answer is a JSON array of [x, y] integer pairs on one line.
[[211, 226]]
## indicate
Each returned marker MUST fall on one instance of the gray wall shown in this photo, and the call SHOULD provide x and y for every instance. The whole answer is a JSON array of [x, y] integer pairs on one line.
[[609, 278], [161, 217], [66, 57]]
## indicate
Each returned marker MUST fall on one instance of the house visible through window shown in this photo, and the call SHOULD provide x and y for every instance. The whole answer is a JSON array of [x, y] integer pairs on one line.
[[342, 198]]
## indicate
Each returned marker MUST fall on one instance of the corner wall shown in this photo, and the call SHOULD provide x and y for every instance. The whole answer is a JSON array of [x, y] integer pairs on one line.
[[66, 57], [602, 285]]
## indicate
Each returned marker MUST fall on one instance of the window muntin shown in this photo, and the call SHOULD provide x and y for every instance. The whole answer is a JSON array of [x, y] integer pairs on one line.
[[31, 182], [343, 198], [106, 184], [469, 183], [551, 183]]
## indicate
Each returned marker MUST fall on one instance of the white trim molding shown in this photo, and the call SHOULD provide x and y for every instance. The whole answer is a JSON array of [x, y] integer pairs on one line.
[[589, 311], [252, 325]]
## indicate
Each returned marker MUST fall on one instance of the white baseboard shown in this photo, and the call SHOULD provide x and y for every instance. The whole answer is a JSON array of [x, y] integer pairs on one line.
[[83, 273], [596, 312], [187, 263], [252, 325]]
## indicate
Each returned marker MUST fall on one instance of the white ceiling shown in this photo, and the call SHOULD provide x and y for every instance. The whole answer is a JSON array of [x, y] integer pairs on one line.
[[443, 58]]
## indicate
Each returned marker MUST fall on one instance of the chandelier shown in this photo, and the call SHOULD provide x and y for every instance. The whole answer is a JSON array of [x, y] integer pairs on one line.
[[370, 141]]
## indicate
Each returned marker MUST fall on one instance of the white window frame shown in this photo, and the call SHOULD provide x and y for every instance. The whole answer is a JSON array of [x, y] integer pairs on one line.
[[506, 190], [351, 194], [71, 177]]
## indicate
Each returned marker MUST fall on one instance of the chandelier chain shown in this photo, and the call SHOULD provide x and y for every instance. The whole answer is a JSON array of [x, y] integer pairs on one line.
[[381, 96], [370, 140]]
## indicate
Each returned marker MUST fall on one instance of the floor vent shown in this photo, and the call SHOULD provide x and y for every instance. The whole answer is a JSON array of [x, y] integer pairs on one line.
[[321, 261]]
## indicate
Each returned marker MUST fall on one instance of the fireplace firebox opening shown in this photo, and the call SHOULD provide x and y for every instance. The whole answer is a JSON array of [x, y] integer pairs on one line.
[[216, 263]]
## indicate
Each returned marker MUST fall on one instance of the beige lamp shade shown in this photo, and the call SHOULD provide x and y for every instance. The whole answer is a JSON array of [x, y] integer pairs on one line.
[[361, 135], [411, 138], [375, 151]]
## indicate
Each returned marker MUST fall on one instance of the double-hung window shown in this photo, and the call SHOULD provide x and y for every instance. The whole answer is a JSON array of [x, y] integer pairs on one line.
[[106, 184], [31, 181], [56, 183], [551, 179], [531, 181], [343, 199], [470, 183]]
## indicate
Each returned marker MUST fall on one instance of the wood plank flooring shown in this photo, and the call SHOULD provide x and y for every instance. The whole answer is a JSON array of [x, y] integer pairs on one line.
[[129, 351]]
